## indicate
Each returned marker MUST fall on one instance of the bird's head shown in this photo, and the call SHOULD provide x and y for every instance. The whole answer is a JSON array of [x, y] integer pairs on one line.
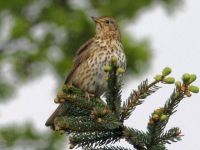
[[106, 26]]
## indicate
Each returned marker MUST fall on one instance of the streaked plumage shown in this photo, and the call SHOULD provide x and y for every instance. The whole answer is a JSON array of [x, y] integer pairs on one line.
[[88, 71]]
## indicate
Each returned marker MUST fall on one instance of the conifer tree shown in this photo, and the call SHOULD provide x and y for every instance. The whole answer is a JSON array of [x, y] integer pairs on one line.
[[93, 124]]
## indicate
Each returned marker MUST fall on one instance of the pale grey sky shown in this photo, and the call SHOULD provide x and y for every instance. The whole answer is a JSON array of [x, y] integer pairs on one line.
[[176, 43]]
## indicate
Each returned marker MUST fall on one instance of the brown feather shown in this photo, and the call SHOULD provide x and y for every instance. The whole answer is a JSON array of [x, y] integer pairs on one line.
[[88, 70], [58, 112], [84, 47], [81, 55]]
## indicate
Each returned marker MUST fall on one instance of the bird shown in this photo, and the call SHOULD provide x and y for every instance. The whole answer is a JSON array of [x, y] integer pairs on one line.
[[91, 58]]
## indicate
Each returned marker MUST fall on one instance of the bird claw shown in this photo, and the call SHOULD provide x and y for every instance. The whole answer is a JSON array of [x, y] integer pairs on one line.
[[88, 95]]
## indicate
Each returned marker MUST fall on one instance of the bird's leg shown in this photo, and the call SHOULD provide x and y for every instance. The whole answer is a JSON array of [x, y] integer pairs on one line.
[[69, 85], [88, 95]]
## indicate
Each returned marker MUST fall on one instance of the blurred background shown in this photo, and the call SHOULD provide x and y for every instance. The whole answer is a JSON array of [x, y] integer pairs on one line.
[[38, 40]]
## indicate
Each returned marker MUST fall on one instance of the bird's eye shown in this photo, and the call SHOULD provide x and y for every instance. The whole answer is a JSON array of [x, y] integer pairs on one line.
[[107, 21]]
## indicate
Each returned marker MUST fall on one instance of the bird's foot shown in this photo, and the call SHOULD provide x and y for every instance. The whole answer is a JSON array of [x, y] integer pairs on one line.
[[88, 95], [69, 85]]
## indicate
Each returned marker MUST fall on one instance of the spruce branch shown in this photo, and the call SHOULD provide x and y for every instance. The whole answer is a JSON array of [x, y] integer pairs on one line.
[[172, 103], [85, 124], [113, 94], [160, 117], [92, 124], [172, 135], [144, 90], [135, 137], [75, 101], [110, 148], [136, 97], [158, 147], [94, 139]]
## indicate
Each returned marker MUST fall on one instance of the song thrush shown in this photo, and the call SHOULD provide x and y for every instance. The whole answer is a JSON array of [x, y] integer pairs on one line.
[[88, 71]]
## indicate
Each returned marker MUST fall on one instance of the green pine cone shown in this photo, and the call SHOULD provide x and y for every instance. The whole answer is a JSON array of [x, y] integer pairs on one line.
[[155, 117], [120, 70], [158, 78], [158, 111], [164, 117], [193, 89], [193, 77], [107, 68], [169, 80], [186, 78], [166, 71]]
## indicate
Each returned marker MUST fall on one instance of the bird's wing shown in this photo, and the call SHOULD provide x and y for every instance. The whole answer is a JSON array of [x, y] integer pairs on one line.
[[61, 110], [82, 54], [84, 46]]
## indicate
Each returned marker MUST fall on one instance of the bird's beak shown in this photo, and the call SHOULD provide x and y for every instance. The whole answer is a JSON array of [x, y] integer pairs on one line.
[[95, 19]]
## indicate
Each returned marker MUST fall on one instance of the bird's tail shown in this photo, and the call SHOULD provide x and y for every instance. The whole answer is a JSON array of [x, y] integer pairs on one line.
[[60, 110]]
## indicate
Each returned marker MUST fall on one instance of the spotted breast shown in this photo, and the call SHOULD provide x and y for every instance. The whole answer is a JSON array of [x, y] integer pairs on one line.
[[91, 76]]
